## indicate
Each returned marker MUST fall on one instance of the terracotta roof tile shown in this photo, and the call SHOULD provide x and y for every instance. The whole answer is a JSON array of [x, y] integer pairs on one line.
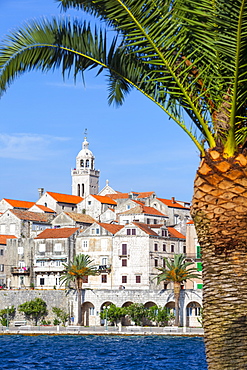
[[32, 216], [141, 209], [171, 203], [104, 199], [80, 217], [145, 228], [3, 238], [65, 198], [44, 208], [112, 228], [19, 203], [146, 194], [64, 232], [118, 196], [175, 234], [190, 223]]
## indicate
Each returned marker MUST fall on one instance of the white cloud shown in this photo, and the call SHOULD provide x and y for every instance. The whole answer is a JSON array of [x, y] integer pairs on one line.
[[27, 146]]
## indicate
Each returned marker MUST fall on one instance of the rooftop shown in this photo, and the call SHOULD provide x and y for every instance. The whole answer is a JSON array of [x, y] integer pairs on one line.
[[65, 198], [64, 232]]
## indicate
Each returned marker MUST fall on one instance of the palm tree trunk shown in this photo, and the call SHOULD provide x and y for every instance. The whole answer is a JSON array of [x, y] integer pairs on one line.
[[79, 293], [177, 288], [219, 210]]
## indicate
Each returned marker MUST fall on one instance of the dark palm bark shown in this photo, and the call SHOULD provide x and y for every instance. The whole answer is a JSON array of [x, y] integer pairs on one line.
[[79, 293], [219, 210], [177, 289]]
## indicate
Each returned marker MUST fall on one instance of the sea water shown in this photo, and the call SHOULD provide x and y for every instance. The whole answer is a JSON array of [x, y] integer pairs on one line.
[[101, 352]]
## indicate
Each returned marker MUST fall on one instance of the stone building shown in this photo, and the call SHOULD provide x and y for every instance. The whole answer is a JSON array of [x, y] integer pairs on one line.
[[72, 219], [22, 223], [4, 260], [96, 205], [52, 248], [6, 204], [59, 202]]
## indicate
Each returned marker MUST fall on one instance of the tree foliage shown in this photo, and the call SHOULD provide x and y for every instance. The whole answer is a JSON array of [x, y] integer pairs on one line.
[[6, 315], [61, 314], [35, 308]]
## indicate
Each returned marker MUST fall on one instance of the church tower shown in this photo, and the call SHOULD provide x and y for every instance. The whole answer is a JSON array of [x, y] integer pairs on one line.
[[85, 179]]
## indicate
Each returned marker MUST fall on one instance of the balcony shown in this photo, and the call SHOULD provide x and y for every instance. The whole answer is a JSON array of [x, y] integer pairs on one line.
[[46, 269], [104, 268], [20, 270]]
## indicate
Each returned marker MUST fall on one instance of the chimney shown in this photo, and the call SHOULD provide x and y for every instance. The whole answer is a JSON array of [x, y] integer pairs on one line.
[[173, 200], [41, 192]]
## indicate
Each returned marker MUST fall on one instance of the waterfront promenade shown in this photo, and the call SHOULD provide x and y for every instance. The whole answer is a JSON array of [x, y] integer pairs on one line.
[[100, 330]]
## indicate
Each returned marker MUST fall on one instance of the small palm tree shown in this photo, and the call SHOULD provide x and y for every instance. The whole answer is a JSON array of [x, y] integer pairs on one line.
[[176, 270], [75, 274]]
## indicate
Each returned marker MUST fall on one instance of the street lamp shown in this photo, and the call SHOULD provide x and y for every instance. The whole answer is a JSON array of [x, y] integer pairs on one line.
[[105, 311]]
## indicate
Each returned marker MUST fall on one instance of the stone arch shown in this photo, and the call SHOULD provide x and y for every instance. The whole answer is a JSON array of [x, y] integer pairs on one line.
[[126, 320], [147, 322], [88, 310], [171, 309], [193, 313]]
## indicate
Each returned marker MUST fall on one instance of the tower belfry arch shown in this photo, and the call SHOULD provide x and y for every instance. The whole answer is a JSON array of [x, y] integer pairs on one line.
[[85, 179]]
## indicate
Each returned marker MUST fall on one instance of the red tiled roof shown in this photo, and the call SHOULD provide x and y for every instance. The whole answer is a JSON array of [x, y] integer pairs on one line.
[[143, 210], [171, 203], [190, 222], [80, 217], [65, 198], [112, 228], [175, 234], [19, 203], [32, 216], [3, 238], [104, 199], [145, 194], [44, 208], [64, 232], [118, 196], [145, 228]]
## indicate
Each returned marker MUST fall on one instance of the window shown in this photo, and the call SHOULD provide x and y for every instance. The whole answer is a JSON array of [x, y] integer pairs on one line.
[[89, 202], [91, 311], [57, 247], [41, 281], [1, 267], [156, 263], [172, 248], [199, 286], [124, 262], [155, 221], [12, 228], [124, 279], [164, 247], [78, 190], [92, 231], [20, 250], [138, 279], [84, 244], [148, 221], [42, 248], [164, 263], [103, 278], [128, 231], [155, 247], [85, 279], [82, 163], [42, 263], [62, 207], [58, 263], [21, 280], [124, 249], [1, 252], [87, 163], [97, 231], [184, 249], [133, 231], [2, 229], [104, 261], [199, 266]]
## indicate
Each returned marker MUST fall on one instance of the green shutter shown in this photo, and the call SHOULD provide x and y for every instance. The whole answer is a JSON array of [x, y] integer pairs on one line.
[[199, 286], [198, 251], [199, 266]]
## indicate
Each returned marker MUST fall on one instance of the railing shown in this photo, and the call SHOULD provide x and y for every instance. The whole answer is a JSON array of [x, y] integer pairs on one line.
[[20, 270], [102, 268]]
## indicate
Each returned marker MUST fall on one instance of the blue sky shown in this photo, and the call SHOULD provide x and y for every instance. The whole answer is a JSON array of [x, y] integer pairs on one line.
[[43, 118]]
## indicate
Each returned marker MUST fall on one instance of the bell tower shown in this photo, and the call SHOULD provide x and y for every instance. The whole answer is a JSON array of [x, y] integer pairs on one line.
[[85, 179]]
